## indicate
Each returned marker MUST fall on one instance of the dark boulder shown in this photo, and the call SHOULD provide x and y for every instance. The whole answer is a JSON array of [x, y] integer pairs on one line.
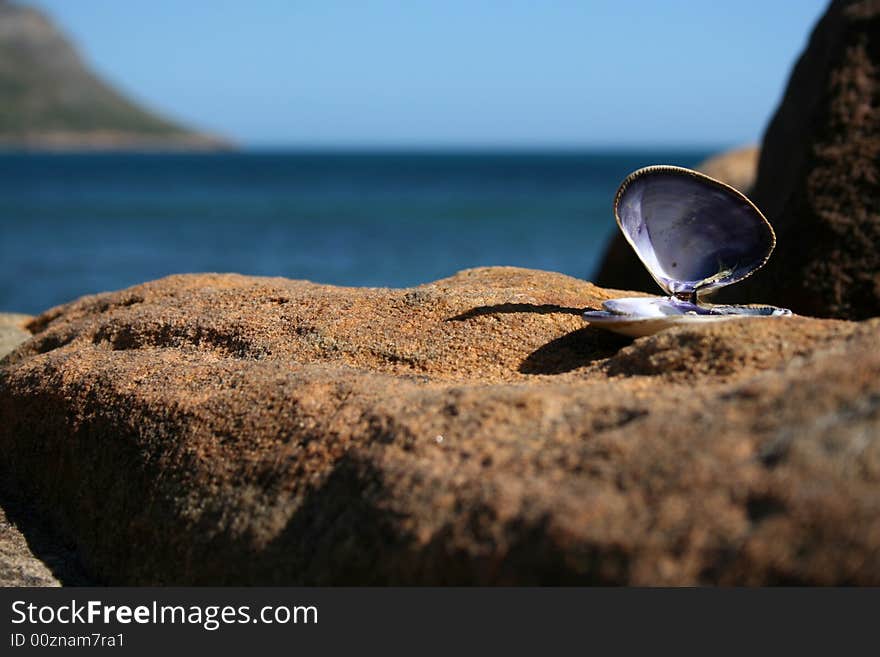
[[819, 174]]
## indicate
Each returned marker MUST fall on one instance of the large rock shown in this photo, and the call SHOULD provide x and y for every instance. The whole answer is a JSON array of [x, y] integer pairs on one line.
[[736, 167], [621, 267], [220, 429], [819, 174]]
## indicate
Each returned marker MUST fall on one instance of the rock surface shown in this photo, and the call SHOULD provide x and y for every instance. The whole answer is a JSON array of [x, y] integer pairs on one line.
[[621, 268], [220, 429], [819, 174]]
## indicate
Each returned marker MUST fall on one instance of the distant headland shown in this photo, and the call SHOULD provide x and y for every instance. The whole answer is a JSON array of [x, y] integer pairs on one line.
[[50, 100]]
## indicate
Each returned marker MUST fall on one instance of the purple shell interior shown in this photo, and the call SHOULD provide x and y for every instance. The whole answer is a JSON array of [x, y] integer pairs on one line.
[[691, 232]]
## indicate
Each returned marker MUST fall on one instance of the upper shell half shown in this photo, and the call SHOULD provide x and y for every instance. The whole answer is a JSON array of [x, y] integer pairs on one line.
[[692, 232]]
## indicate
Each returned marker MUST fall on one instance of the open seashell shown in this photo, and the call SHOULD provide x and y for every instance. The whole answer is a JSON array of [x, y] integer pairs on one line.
[[694, 234]]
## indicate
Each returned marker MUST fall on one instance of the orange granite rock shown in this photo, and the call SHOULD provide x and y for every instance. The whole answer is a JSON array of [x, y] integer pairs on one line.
[[819, 175], [222, 429]]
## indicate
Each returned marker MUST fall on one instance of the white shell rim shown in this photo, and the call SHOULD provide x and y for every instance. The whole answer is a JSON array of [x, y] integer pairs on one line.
[[635, 326]]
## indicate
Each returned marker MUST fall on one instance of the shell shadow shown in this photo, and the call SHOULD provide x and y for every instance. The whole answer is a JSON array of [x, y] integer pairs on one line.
[[564, 354], [573, 350], [502, 308]]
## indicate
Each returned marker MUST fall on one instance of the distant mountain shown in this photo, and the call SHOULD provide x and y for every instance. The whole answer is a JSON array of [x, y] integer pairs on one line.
[[49, 99]]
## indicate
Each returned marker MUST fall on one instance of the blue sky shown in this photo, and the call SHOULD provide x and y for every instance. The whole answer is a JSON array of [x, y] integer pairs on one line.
[[451, 73]]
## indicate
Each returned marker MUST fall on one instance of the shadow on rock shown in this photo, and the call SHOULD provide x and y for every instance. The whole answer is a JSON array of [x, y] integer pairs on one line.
[[43, 542], [508, 308], [345, 533], [572, 351]]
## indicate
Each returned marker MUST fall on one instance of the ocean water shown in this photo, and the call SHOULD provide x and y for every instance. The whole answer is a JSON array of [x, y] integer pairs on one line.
[[75, 224]]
